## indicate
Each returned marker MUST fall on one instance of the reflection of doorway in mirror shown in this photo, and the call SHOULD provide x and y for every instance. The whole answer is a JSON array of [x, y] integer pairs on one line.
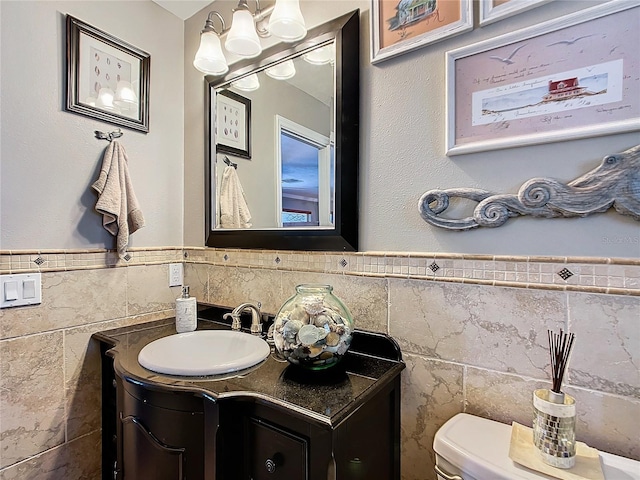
[[305, 187]]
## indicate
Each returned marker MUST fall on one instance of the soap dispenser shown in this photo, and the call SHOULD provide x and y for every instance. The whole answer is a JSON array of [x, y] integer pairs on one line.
[[186, 312]]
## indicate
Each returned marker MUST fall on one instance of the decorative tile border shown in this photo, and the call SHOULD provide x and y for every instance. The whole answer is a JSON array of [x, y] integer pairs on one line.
[[23, 261], [619, 276]]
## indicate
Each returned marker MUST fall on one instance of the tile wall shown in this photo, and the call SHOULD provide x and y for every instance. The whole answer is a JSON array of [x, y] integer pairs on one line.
[[50, 368], [472, 330]]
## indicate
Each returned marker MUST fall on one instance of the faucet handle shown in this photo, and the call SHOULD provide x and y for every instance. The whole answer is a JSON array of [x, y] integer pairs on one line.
[[235, 323]]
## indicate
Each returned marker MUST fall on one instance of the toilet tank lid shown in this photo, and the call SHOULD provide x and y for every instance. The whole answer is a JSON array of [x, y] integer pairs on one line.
[[480, 447]]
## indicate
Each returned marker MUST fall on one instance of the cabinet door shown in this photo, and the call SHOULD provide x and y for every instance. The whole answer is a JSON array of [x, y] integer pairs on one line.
[[275, 454], [145, 457], [160, 443], [368, 445]]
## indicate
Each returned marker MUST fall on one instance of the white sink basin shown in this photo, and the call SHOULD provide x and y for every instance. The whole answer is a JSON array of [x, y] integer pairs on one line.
[[203, 352]]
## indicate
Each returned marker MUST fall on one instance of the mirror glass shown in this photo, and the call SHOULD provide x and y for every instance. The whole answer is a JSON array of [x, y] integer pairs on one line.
[[277, 160], [291, 126]]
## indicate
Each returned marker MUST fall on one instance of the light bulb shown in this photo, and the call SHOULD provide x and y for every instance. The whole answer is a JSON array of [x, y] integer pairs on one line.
[[209, 58], [243, 39], [287, 22], [321, 56], [282, 71], [105, 99], [248, 83], [125, 97]]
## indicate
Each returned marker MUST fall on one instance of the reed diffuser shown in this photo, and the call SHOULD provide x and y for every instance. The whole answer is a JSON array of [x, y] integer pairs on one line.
[[554, 420], [559, 350]]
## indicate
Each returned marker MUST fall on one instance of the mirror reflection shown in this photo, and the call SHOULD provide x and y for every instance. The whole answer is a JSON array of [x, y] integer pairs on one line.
[[284, 175]]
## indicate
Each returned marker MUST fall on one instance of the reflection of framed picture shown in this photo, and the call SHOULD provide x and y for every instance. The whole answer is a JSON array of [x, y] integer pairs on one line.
[[233, 124], [399, 26], [573, 77], [107, 79], [494, 10]]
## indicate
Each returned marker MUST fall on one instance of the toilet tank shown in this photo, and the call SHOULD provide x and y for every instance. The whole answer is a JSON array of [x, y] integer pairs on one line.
[[468, 447]]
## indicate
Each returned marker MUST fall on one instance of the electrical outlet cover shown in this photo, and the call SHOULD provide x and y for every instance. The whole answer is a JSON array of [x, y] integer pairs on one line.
[[175, 274]]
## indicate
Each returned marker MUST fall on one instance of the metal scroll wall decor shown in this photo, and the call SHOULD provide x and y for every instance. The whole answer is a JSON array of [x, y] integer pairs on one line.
[[614, 183]]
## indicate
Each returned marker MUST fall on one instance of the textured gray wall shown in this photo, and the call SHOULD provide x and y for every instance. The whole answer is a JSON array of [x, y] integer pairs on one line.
[[49, 157], [402, 153]]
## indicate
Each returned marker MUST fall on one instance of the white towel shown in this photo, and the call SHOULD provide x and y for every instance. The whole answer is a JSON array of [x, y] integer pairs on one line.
[[117, 202], [234, 212]]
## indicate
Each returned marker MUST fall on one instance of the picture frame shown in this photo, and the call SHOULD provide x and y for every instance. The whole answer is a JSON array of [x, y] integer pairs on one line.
[[572, 77], [395, 31], [107, 78], [493, 10], [232, 124]]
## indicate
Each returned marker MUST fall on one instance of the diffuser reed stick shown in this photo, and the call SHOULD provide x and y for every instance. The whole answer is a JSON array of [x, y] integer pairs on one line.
[[559, 350]]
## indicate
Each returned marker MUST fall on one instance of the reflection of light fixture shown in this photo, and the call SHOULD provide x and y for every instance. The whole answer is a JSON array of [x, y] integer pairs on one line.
[[125, 97], [282, 71], [322, 55], [286, 23], [105, 99], [209, 57], [248, 83]]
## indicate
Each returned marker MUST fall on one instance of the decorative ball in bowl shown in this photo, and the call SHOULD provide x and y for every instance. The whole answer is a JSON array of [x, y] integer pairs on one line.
[[313, 329]]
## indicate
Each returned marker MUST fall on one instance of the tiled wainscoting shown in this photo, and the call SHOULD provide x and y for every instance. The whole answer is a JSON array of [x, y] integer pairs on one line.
[[472, 330]]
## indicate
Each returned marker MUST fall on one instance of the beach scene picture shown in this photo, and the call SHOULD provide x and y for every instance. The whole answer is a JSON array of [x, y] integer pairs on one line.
[[582, 75], [559, 92]]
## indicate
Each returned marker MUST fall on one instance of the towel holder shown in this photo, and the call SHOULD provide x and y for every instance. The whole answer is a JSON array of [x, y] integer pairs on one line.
[[110, 135], [226, 160]]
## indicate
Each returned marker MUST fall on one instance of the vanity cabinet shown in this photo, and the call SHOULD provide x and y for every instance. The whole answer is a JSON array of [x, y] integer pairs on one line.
[[162, 433], [273, 452], [273, 422]]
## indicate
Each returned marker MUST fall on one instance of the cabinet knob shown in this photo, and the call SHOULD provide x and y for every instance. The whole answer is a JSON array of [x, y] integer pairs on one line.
[[271, 464]]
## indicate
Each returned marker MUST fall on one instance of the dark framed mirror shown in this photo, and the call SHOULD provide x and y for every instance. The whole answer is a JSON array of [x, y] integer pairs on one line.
[[300, 183]]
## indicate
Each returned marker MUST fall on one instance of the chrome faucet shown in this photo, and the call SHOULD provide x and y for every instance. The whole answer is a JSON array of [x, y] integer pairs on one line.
[[256, 326]]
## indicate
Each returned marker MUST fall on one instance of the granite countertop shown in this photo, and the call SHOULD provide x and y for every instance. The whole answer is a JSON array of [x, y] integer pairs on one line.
[[325, 397]]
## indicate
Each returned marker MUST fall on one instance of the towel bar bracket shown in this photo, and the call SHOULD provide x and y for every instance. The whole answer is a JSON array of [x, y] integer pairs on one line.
[[110, 135], [226, 160]]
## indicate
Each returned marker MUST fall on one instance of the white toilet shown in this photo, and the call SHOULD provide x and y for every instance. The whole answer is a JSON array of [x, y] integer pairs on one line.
[[474, 448]]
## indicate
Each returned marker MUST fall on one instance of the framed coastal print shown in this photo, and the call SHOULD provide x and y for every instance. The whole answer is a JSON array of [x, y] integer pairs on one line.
[[399, 26], [572, 77], [233, 124], [494, 10], [107, 79]]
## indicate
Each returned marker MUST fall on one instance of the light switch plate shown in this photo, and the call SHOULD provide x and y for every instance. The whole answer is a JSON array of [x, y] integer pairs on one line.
[[22, 283]]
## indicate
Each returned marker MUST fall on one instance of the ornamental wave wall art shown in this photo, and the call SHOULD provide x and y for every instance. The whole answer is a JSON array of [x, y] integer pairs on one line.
[[614, 183]]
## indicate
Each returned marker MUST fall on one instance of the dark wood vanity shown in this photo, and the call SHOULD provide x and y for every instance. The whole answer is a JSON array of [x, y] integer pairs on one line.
[[271, 421]]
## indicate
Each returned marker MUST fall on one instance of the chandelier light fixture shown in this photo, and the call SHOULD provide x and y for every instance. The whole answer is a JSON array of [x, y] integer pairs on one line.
[[243, 37]]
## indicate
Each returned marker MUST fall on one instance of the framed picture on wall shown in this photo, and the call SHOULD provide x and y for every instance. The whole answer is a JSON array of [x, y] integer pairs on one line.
[[107, 79], [494, 10], [400, 26], [233, 124], [573, 77]]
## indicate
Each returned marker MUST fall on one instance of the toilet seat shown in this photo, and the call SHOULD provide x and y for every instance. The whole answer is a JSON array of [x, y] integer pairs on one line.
[[478, 449]]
